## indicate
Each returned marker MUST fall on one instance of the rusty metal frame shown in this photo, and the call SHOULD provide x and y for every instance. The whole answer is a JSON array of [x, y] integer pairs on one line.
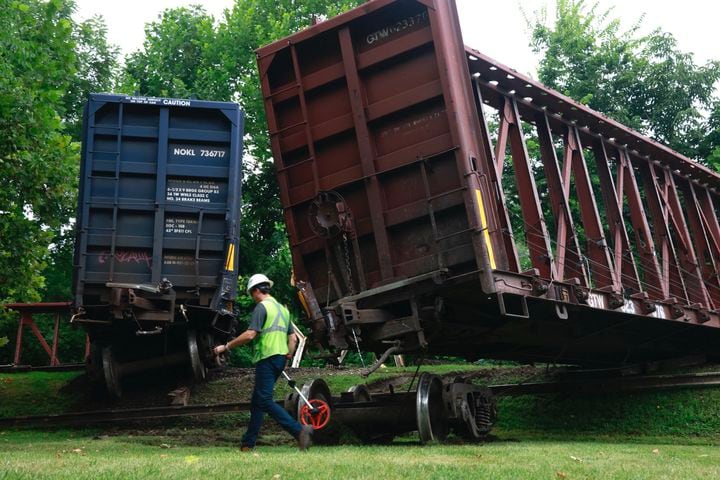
[[626, 272], [538, 238], [652, 281], [502, 238], [673, 282], [366, 154], [655, 257], [598, 253], [26, 311], [707, 251], [687, 258], [644, 241], [568, 256], [457, 88]]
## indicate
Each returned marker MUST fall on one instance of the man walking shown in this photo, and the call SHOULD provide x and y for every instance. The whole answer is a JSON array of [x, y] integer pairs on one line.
[[274, 342]]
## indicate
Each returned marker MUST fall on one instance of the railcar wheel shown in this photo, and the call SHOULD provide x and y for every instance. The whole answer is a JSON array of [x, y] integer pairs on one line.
[[291, 404], [317, 389], [360, 393], [94, 364], [111, 372], [431, 421], [196, 362]]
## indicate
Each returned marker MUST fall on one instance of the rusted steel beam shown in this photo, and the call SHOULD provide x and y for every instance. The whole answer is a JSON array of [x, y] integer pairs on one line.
[[598, 253], [280, 166], [568, 256], [687, 256], [537, 236], [712, 229], [672, 281], [707, 208], [644, 243], [366, 154], [26, 311], [626, 273], [501, 144], [707, 253], [470, 158], [509, 259]]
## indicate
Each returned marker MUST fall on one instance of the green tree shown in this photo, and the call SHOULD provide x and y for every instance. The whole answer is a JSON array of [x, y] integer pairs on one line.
[[175, 56], [38, 161], [710, 144], [643, 81], [48, 64], [96, 70]]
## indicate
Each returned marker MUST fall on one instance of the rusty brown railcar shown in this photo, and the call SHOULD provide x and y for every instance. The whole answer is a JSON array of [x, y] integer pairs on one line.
[[419, 221]]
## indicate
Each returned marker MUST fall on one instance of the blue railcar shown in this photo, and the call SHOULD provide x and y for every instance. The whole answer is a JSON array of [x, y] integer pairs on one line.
[[156, 255]]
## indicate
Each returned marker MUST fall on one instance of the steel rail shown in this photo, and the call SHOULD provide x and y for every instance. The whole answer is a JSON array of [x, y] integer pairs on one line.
[[579, 386], [611, 385], [68, 367], [123, 415]]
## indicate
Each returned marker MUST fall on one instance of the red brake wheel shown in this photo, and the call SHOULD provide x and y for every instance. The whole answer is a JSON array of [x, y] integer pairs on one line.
[[320, 418]]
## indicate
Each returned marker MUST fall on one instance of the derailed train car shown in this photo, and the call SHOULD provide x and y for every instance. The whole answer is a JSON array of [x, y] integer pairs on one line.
[[414, 228], [157, 232]]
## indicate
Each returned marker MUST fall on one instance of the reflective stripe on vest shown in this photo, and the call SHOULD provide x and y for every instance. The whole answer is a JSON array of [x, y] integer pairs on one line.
[[273, 336]]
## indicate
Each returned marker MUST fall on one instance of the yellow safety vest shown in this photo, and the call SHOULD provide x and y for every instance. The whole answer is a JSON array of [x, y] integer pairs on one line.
[[273, 337]]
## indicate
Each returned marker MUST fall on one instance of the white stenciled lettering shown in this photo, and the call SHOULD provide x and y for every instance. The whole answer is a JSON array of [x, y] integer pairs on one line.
[[628, 307], [180, 226], [191, 191], [184, 152], [175, 102], [596, 301], [158, 101], [399, 26], [212, 153]]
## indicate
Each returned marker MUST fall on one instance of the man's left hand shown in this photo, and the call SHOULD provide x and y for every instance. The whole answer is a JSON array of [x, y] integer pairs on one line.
[[220, 349]]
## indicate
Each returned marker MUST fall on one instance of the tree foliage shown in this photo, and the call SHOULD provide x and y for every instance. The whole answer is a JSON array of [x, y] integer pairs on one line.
[[38, 162], [96, 70], [174, 60], [643, 81], [710, 145], [48, 64]]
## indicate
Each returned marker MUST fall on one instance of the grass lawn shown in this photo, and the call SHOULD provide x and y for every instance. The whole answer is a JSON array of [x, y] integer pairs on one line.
[[34, 393], [73, 455], [665, 435]]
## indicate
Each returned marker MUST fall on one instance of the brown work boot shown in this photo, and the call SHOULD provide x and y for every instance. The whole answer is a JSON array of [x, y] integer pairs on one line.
[[305, 437], [246, 448]]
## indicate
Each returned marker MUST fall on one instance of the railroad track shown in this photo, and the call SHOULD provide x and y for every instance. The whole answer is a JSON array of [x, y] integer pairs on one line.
[[580, 386], [611, 384], [69, 367], [96, 417]]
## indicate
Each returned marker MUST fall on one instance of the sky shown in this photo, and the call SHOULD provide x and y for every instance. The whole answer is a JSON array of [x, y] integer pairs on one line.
[[497, 28]]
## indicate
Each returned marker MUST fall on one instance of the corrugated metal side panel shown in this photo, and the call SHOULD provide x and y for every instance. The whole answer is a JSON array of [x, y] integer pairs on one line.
[[159, 195], [385, 118]]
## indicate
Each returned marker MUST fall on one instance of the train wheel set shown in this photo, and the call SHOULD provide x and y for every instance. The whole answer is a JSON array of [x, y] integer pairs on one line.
[[434, 409], [105, 363]]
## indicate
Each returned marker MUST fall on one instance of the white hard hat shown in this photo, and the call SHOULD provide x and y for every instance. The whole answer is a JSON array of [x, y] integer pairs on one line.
[[257, 279]]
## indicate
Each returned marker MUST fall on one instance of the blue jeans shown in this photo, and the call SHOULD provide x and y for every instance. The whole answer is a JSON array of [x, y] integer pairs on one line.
[[267, 372]]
